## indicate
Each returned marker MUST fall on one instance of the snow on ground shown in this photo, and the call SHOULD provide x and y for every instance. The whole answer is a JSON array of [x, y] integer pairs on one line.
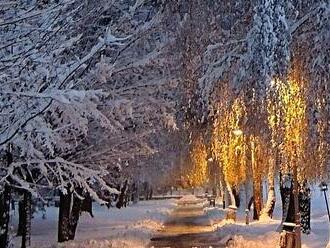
[[133, 226], [127, 227], [263, 233]]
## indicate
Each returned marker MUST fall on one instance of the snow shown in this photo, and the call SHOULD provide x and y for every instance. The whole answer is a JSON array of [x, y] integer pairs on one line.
[[135, 225], [127, 227], [188, 198], [264, 233]]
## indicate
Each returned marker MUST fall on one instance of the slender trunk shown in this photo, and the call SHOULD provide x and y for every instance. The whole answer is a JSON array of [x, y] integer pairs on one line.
[[267, 212], [135, 194], [257, 184], [290, 217], [296, 205], [228, 195], [249, 179], [74, 216], [305, 208], [4, 216], [27, 214], [286, 198], [150, 192], [121, 197], [236, 195], [5, 197], [20, 218], [231, 195], [248, 185], [64, 216], [223, 191], [87, 205], [257, 196]]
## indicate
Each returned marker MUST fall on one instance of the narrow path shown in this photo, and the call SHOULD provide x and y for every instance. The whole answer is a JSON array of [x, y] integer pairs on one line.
[[187, 227]]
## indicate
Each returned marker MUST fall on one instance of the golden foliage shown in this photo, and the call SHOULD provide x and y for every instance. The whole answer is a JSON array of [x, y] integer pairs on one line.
[[288, 121], [228, 148], [197, 172]]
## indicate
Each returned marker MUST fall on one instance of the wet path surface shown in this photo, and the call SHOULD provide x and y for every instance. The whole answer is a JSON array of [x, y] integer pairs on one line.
[[187, 227]]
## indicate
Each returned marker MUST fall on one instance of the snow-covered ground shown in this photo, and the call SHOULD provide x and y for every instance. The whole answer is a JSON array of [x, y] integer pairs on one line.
[[263, 233], [135, 225], [116, 228]]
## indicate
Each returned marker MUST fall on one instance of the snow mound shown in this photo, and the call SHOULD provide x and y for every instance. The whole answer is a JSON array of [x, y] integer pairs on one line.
[[107, 244], [266, 241], [188, 198], [148, 224], [215, 214]]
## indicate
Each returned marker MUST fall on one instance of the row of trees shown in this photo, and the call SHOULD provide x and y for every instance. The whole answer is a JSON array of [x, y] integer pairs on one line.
[[255, 82]]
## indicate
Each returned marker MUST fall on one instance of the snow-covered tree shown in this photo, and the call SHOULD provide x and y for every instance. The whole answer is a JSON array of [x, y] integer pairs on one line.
[[67, 71]]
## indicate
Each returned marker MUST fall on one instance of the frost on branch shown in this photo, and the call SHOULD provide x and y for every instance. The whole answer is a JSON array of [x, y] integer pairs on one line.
[[57, 173]]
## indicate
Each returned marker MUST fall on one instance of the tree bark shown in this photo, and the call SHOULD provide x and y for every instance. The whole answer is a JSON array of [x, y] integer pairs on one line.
[[27, 212], [231, 195], [20, 218], [121, 197], [150, 192], [5, 197], [87, 205], [71, 206], [4, 216], [228, 195], [257, 197], [223, 191], [286, 191], [135, 194], [249, 179], [267, 212], [248, 186], [236, 196], [305, 208], [64, 217], [257, 184], [75, 214]]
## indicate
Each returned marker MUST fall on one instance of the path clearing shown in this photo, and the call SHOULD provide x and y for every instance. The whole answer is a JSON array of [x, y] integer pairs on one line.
[[187, 227]]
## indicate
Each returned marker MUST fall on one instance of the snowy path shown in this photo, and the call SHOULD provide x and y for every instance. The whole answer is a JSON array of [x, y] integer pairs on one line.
[[187, 226]]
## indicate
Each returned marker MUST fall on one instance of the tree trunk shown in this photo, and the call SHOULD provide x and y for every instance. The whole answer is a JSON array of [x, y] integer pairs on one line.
[[20, 218], [248, 185], [305, 208], [64, 217], [121, 197], [150, 192], [231, 195], [249, 180], [257, 197], [5, 197], [267, 212], [87, 205], [236, 196], [26, 225], [135, 194], [223, 192], [257, 184], [286, 188], [74, 216], [71, 206], [290, 217], [228, 195], [4, 216]]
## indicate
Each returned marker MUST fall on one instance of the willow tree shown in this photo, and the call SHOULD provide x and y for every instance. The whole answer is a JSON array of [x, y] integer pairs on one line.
[[288, 122], [197, 170], [229, 148]]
